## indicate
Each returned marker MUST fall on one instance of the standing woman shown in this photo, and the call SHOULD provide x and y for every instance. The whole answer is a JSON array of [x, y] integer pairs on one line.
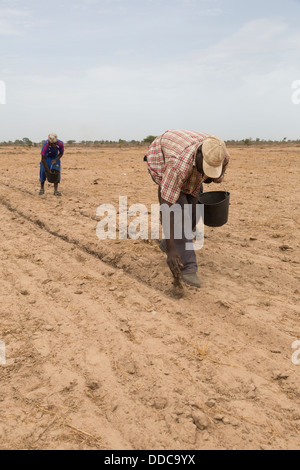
[[52, 151]]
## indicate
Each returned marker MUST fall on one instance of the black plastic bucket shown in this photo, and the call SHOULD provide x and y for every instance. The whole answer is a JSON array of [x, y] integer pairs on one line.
[[216, 207], [53, 176]]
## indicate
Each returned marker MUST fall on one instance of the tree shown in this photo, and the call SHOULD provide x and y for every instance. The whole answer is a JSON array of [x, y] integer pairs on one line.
[[149, 139], [27, 142]]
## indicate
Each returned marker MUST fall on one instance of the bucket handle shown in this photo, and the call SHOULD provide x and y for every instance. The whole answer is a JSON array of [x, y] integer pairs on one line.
[[223, 186]]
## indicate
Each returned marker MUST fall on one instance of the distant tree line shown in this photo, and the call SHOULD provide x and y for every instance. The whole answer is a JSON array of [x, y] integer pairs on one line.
[[26, 142], [250, 141]]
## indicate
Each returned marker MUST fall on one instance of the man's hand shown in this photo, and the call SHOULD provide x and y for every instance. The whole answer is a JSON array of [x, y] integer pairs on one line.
[[57, 159], [219, 180], [174, 263]]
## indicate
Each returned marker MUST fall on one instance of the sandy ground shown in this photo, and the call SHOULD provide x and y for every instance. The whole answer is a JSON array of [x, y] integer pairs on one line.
[[104, 352]]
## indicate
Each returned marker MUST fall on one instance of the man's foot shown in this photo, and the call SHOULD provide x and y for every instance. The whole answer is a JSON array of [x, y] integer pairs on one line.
[[57, 193], [191, 279], [42, 191]]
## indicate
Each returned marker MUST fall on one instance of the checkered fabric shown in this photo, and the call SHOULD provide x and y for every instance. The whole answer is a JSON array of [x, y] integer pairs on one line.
[[172, 163]]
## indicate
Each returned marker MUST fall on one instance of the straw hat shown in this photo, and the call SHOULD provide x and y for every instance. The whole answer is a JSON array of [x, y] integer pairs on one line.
[[214, 152], [52, 138]]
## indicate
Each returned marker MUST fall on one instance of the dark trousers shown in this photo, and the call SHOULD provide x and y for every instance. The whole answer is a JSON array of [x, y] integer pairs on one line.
[[188, 257]]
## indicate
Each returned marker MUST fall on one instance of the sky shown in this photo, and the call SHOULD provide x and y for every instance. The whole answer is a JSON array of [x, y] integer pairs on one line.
[[126, 69]]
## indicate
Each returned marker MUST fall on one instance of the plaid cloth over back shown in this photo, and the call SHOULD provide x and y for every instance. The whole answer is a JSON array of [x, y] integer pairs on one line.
[[172, 163]]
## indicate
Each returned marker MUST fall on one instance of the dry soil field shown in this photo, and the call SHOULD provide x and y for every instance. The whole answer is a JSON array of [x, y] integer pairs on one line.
[[104, 352]]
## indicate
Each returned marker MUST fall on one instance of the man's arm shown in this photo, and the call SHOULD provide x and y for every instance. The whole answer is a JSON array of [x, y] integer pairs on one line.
[[57, 158], [61, 152], [173, 258], [44, 161], [169, 193]]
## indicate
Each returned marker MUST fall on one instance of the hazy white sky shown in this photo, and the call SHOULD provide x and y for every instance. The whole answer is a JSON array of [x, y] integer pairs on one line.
[[110, 69]]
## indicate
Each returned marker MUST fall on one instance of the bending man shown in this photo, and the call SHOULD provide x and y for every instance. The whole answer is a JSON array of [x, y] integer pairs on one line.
[[179, 161]]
